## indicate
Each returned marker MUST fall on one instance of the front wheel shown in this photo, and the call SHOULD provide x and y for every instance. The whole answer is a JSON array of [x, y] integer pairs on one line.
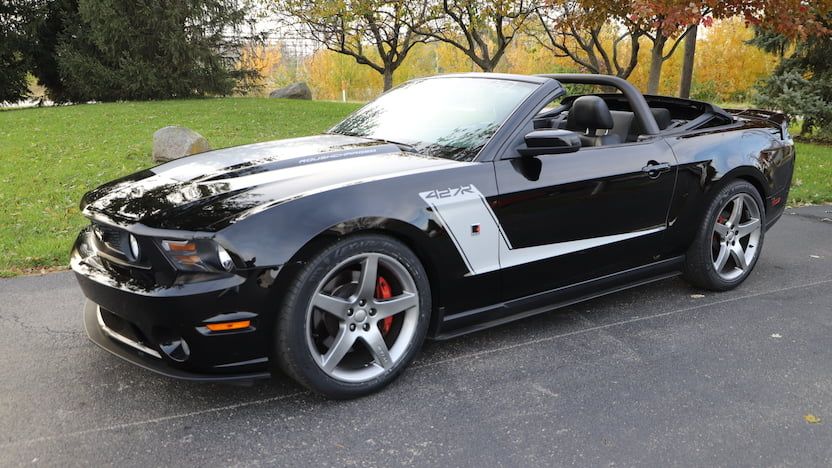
[[730, 239], [354, 317]]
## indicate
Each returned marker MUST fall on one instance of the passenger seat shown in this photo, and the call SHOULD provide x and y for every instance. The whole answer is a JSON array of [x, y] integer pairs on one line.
[[663, 120]]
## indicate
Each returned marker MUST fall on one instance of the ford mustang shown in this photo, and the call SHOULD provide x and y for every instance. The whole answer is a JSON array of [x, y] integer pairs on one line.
[[447, 205]]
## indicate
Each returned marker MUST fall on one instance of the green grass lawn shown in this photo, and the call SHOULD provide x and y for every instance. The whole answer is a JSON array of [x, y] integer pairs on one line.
[[812, 181], [50, 156]]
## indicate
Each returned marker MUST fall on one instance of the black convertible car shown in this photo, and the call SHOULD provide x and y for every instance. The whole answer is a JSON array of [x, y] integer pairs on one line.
[[447, 205]]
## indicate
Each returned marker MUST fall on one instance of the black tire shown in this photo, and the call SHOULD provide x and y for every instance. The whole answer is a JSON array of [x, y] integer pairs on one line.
[[292, 351], [699, 263]]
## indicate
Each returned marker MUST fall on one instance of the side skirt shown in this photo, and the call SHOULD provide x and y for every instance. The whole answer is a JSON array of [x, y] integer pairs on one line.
[[475, 320]]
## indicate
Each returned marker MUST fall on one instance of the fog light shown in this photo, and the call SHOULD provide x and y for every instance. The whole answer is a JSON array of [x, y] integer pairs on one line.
[[225, 260], [176, 349], [134, 247]]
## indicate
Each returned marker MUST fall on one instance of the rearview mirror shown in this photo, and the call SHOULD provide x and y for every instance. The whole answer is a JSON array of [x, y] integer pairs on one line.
[[540, 142]]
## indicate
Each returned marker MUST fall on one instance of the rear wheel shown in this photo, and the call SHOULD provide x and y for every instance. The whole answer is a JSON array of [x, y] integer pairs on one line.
[[354, 317], [730, 239]]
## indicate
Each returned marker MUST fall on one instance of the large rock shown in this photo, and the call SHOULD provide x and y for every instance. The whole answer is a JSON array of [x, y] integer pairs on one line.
[[171, 143], [293, 91]]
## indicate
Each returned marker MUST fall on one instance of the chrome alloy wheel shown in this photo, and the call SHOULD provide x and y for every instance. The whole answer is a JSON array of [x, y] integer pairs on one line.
[[736, 237], [362, 317]]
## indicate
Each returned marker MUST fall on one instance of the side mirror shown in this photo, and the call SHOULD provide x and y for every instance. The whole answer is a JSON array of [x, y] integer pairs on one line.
[[540, 142]]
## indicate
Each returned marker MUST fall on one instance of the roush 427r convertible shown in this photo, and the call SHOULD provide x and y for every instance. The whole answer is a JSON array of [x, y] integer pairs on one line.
[[447, 205]]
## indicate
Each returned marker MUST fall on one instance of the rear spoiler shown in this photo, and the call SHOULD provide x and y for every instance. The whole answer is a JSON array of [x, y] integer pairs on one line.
[[776, 118]]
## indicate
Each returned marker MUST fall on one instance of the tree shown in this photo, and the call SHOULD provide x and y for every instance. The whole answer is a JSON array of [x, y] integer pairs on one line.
[[726, 65], [802, 83], [591, 35], [668, 22], [376, 33], [672, 21], [482, 29], [110, 50], [686, 79], [15, 16]]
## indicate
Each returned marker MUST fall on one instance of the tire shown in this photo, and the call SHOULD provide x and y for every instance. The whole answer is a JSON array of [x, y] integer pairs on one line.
[[728, 238], [338, 318]]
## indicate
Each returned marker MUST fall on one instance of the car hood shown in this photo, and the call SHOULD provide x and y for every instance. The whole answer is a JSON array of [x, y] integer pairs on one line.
[[206, 192]]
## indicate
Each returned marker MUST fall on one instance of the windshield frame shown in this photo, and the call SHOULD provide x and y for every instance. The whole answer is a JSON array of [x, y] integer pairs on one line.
[[482, 154]]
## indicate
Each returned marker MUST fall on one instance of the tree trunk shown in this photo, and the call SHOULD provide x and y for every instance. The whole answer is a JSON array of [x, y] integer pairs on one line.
[[388, 78], [656, 62], [687, 64], [484, 64]]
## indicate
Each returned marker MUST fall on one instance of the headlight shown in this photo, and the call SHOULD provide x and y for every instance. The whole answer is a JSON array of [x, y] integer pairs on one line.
[[198, 255]]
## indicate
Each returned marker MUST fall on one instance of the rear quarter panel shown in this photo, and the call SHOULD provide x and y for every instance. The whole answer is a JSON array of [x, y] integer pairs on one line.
[[710, 158]]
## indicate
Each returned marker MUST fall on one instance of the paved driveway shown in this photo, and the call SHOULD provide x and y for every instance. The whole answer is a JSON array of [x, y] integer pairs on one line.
[[655, 375]]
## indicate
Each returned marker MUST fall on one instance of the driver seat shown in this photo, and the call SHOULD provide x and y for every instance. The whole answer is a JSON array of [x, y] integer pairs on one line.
[[589, 115]]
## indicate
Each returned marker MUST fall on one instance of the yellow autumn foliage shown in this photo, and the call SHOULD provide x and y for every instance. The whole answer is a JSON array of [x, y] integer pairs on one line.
[[263, 59], [724, 58], [726, 67]]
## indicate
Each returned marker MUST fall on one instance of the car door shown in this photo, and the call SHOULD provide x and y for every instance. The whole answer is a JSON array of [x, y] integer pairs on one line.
[[569, 218]]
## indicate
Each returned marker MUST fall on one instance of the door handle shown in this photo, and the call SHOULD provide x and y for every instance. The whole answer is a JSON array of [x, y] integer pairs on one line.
[[655, 169]]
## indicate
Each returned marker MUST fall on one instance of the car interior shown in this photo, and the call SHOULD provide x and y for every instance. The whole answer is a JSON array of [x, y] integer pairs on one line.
[[607, 119]]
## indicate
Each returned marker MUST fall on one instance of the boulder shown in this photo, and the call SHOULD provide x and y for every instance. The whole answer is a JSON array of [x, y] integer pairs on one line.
[[171, 143], [293, 91]]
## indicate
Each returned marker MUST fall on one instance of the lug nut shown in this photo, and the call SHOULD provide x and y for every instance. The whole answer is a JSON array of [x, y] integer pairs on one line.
[[349, 312], [372, 312], [361, 302], [366, 327]]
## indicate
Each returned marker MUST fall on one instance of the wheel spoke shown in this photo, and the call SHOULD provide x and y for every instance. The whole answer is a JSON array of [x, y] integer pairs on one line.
[[378, 348], [747, 228], [342, 344], [736, 212], [721, 258], [344, 317], [400, 303], [369, 273], [738, 255], [721, 229], [331, 304]]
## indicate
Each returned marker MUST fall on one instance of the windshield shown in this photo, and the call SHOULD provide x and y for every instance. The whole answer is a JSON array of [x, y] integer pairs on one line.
[[447, 117]]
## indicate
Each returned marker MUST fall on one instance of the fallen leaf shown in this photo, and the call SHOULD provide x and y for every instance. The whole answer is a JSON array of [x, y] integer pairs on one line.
[[776, 335], [812, 419], [815, 256], [697, 296]]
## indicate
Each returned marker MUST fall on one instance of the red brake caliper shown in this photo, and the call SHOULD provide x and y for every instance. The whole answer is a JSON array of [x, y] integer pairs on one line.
[[383, 291]]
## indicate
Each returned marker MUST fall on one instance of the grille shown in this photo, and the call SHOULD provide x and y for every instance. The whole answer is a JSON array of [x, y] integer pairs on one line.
[[112, 237], [122, 326]]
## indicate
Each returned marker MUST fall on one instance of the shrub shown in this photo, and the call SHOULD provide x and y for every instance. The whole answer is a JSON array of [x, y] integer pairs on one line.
[[704, 91]]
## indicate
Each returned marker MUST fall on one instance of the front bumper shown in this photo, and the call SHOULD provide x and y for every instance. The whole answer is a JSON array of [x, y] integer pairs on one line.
[[163, 328], [139, 354]]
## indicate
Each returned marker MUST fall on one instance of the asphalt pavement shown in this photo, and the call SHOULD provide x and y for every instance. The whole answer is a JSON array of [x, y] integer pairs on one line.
[[661, 375]]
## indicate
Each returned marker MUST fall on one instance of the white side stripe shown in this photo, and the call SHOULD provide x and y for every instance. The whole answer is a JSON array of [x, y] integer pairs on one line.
[[459, 209]]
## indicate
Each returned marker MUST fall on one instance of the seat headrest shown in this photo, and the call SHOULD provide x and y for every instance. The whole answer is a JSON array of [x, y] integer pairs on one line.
[[662, 117], [589, 112]]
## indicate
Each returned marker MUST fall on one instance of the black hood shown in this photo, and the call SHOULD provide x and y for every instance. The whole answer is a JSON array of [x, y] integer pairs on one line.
[[210, 190]]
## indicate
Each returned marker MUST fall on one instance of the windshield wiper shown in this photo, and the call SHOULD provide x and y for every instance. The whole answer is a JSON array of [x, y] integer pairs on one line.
[[404, 146]]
